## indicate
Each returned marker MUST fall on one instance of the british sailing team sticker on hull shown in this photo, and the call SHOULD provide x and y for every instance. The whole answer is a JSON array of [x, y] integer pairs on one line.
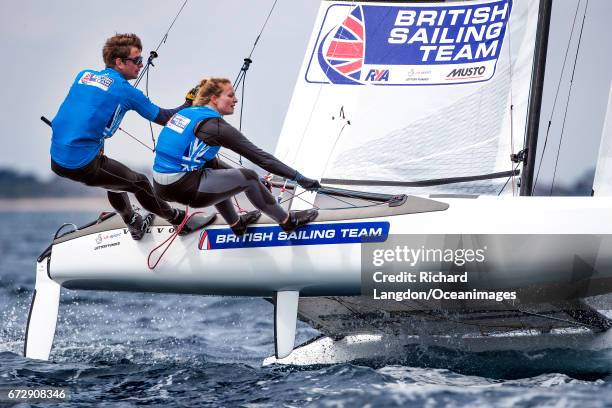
[[315, 234], [420, 44]]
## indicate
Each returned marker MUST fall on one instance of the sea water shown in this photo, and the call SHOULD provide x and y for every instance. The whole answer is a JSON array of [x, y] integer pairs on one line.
[[148, 349]]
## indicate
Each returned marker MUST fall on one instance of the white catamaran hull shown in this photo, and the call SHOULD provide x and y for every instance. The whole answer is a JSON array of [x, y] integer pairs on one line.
[[118, 263], [104, 257]]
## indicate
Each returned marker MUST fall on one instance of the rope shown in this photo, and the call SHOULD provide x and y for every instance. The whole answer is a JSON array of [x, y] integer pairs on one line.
[[170, 239], [240, 209]]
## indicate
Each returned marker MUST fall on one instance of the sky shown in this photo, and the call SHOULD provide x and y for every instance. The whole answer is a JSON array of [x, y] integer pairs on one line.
[[44, 44]]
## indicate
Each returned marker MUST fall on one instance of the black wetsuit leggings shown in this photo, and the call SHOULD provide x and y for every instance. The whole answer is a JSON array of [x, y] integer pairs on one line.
[[218, 186], [113, 175]]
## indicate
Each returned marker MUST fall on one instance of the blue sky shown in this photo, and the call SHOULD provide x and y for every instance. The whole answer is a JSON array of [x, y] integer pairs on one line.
[[45, 44]]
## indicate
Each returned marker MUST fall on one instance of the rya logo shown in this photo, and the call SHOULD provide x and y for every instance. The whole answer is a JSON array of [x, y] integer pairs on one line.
[[378, 75]]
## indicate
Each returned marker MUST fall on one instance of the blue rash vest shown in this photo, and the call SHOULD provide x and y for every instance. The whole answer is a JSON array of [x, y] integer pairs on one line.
[[178, 149], [92, 112]]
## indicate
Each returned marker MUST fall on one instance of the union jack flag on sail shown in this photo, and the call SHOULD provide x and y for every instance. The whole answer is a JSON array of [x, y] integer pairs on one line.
[[344, 53]]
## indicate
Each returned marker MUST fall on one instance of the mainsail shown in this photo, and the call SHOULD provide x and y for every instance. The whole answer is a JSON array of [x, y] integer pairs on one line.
[[413, 91]]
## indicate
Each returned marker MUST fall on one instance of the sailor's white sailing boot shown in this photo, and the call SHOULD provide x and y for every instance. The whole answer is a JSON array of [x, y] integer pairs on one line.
[[244, 221]]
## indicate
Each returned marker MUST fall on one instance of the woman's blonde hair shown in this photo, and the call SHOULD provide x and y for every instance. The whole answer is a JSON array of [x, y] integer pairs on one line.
[[208, 88]]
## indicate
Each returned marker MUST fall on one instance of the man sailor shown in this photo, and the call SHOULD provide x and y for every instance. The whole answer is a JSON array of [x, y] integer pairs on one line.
[[187, 169], [91, 112]]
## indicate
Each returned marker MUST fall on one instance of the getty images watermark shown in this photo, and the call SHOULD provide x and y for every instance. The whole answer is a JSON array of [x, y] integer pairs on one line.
[[429, 269], [467, 271]]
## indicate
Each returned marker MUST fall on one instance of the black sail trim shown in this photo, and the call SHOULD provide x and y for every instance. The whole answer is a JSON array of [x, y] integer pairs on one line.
[[421, 183]]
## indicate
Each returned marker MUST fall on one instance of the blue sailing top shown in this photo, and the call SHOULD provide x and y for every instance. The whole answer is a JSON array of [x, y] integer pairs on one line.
[[178, 149], [91, 112]]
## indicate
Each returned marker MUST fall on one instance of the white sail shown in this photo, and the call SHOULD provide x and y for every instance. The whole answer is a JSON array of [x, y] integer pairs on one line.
[[413, 91], [602, 185]]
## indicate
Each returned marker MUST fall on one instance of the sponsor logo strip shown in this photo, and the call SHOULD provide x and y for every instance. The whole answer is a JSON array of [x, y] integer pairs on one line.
[[178, 123], [315, 234], [99, 81]]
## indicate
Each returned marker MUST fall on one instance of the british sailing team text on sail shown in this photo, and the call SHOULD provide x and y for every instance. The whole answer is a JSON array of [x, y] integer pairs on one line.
[[441, 32]]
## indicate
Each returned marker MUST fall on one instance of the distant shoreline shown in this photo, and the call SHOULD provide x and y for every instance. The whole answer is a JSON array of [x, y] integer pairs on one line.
[[89, 204]]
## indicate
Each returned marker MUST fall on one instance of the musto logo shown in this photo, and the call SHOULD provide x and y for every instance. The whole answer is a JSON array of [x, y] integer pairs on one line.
[[465, 73], [385, 44]]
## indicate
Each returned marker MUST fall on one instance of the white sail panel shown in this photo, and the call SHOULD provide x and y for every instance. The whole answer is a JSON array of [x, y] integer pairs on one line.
[[413, 91], [602, 185]]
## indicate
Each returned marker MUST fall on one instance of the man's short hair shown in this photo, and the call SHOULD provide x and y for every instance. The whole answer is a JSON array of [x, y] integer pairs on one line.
[[119, 46]]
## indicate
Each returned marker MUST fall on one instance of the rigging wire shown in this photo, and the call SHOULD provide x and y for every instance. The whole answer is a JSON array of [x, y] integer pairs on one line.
[[242, 72], [557, 94], [569, 94], [136, 139], [145, 73], [293, 195], [163, 41], [508, 180], [240, 80]]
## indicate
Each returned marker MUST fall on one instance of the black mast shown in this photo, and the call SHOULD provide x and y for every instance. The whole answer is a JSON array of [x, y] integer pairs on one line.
[[535, 102]]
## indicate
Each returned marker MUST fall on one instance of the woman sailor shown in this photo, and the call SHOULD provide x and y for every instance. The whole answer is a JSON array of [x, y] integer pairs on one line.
[[187, 169]]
